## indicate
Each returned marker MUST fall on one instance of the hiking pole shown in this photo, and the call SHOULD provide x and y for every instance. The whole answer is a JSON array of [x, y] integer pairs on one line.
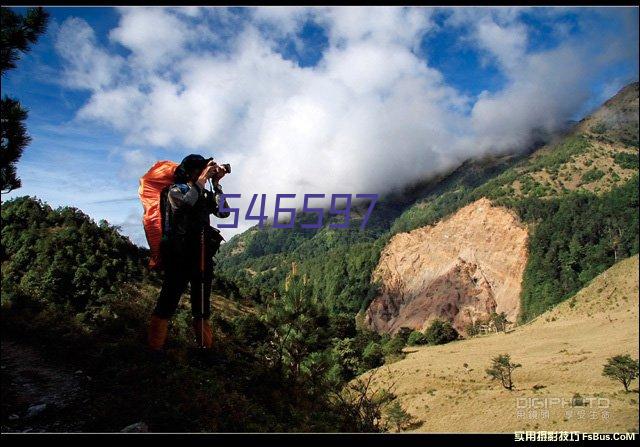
[[202, 274], [202, 265], [202, 279]]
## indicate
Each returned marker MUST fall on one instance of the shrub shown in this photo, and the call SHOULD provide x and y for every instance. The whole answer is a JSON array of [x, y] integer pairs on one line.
[[365, 405], [577, 400], [364, 337], [346, 358], [373, 356], [473, 328], [404, 334], [250, 330], [440, 332], [500, 321], [393, 346], [342, 325], [417, 338], [626, 160], [592, 175]]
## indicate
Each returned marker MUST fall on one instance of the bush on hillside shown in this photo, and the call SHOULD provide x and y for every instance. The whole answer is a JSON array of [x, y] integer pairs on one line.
[[440, 332], [417, 338]]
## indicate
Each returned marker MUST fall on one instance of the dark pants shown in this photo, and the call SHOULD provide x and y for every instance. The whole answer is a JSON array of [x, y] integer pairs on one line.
[[181, 260]]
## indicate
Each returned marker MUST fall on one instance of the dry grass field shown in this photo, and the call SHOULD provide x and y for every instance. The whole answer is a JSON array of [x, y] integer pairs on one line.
[[562, 352]]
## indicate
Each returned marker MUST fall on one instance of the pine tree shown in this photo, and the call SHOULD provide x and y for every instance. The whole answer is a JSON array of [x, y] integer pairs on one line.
[[398, 416], [298, 326], [18, 33]]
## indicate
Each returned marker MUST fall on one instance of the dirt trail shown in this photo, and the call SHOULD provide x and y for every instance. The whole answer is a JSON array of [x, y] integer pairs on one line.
[[39, 396]]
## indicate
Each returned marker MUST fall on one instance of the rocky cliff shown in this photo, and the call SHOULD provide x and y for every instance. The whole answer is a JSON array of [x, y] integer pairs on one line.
[[460, 269]]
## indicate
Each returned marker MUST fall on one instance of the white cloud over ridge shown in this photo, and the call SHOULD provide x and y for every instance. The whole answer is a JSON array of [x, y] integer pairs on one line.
[[372, 115]]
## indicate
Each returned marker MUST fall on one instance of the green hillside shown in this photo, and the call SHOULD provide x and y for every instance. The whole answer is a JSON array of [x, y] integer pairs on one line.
[[258, 261], [76, 297], [61, 256], [578, 195]]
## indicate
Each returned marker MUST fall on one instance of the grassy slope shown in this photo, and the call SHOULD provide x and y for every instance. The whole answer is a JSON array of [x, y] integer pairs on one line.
[[563, 349]]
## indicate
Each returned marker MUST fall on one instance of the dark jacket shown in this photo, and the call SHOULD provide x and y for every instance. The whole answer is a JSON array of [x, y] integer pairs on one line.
[[186, 213]]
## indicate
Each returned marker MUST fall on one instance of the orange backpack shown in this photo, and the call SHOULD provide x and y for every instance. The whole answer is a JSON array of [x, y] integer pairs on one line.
[[151, 185]]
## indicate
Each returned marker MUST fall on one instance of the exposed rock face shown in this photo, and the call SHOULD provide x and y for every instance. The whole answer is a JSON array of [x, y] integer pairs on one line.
[[460, 269]]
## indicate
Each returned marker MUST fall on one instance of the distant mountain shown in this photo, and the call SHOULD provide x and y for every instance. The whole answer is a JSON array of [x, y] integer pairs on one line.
[[568, 212], [576, 198]]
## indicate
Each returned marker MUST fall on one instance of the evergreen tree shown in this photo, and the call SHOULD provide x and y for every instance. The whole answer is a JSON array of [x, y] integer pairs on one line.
[[18, 33], [398, 416], [61, 256], [297, 327], [373, 356]]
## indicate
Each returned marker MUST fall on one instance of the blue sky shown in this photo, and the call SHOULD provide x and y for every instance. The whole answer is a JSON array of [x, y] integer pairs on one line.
[[316, 100]]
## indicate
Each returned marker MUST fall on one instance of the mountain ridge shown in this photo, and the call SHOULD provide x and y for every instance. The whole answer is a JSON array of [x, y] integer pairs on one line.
[[531, 184]]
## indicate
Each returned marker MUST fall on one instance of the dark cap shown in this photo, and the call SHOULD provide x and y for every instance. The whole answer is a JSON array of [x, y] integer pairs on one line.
[[194, 161], [189, 164]]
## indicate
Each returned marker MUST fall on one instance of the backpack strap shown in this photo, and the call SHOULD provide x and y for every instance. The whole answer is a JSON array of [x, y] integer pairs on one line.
[[165, 211]]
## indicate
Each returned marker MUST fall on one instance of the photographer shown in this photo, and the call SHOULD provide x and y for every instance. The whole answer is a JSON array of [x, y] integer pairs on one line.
[[188, 246]]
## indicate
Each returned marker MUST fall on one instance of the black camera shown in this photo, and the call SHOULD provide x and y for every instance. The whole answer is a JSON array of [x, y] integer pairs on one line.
[[226, 166]]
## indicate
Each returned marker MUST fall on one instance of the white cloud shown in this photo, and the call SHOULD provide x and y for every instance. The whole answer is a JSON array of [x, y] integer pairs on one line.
[[189, 11], [153, 35], [116, 106], [282, 19], [506, 43], [370, 116], [382, 25], [88, 66], [506, 119], [136, 163]]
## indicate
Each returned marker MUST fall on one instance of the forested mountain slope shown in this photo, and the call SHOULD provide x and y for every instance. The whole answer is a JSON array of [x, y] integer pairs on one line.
[[577, 197]]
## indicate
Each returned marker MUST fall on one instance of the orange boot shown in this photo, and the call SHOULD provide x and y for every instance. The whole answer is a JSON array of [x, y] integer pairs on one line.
[[157, 332], [204, 334]]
